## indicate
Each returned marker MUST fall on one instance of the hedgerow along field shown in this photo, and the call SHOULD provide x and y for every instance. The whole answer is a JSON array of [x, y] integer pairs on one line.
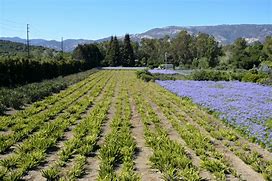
[[113, 126]]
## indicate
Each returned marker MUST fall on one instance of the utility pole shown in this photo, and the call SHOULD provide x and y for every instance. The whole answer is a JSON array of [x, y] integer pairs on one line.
[[62, 45], [27, 41]]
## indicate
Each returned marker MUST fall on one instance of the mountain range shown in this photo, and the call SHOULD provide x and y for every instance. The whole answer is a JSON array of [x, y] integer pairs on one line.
[[224, 34]]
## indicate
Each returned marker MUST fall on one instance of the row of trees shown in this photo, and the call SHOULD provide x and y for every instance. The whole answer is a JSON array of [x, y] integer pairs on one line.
[[200, 51], [111, 53], [244, 56], [203, 51]]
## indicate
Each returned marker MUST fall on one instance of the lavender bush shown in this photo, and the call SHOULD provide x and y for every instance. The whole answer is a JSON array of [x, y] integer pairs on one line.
[[247, 106], [162, 71]]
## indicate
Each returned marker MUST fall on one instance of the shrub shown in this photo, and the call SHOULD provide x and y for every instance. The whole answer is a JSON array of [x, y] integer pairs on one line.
[[214, 75], [145, 75], [255, 77], [2, 108], [203, 63], [218, 75]]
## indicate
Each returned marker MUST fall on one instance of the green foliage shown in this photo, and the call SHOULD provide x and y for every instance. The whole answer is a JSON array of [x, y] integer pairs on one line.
[[89, 53], [255, 77], [18, 70], [206, 46], [51, 174], [219, 75], [215, 75], [8, 48], [113, 54], [184, 50], [267, 49], [128, 59], [145, 75], [203, 63]]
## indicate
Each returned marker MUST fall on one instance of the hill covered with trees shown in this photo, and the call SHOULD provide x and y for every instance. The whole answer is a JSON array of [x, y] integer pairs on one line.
[[9, 48]]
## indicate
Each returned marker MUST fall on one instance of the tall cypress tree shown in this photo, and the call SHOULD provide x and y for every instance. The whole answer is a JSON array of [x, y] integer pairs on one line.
[[113, 52], [109, 53], [116, 51], [128, 54]]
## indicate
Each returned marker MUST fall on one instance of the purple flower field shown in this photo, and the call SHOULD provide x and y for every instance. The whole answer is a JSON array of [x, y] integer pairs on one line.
[[162, 71], [247, 106]]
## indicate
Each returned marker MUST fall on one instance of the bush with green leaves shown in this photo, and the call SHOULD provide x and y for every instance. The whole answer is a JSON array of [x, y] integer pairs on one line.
[[257, 77], [216, 75], [145, 75]]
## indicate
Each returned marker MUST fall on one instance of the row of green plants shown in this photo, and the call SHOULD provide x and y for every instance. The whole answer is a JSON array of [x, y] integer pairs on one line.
[[33, 151], [84, 140], [16, 97], [24, 127], [40, 106], [146, 76], [119, 147], [223, 133], [168, 156], [211, 159]]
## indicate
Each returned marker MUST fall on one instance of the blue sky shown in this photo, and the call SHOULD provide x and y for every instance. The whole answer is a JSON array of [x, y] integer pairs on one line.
[[94, 19]]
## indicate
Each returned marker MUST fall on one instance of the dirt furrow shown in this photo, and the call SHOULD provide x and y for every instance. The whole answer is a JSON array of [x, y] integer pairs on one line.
[[143, 154]]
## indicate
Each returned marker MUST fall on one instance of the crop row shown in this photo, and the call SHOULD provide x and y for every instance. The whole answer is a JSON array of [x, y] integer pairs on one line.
[[29, 93], [37, 107], [228, 136], [33, 151], [83, 143], [212, 160], [22, 128], [168, 156], [119, 147]]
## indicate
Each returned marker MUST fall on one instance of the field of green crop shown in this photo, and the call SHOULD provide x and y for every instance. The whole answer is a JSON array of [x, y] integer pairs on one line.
[[113, 126]]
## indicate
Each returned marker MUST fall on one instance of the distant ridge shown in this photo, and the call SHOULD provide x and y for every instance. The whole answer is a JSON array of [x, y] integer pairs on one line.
[[225, 34]]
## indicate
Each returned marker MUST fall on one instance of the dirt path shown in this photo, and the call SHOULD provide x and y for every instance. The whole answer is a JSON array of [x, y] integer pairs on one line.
[[142, 163]]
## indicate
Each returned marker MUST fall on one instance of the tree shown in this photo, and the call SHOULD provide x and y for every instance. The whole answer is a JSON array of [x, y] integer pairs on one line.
[[109, 53], [181, 49], [255, 54], [207, 46], [239, 54], [127, 53], [113, 52], [89, 53], [267, 48]]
